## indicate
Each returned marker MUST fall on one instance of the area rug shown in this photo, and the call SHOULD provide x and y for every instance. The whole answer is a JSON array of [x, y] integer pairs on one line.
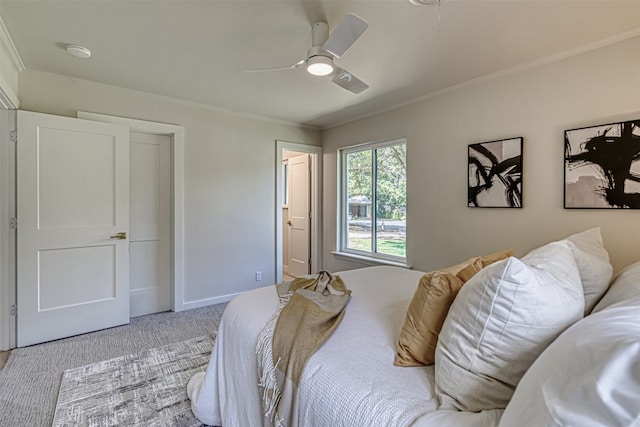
[[142, 389]]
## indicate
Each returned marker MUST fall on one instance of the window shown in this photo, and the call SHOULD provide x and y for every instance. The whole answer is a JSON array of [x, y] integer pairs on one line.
[[373, 200]]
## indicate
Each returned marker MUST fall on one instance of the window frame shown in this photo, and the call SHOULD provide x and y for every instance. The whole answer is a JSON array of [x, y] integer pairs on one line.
[[342, 211]]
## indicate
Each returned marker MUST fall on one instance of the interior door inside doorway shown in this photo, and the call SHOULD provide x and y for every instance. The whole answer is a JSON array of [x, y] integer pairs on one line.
[[296, 213], [150, 217]]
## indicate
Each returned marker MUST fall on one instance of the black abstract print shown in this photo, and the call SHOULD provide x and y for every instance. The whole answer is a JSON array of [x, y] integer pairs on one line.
[[602, 166], [495, 174]]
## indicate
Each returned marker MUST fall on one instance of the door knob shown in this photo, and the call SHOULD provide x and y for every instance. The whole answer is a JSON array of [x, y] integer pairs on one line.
[[289, 222], [121, 235]]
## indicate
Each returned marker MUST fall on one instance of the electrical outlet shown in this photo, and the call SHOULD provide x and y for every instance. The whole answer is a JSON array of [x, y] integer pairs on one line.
[[258, 276]]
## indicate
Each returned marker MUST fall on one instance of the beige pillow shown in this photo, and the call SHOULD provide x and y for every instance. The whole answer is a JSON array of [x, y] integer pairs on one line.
[[496, 256], [429, 307]]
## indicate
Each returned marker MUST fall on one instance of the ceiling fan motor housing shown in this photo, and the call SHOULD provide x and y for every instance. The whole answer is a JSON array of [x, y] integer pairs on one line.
[[319, 33], [318, 51]]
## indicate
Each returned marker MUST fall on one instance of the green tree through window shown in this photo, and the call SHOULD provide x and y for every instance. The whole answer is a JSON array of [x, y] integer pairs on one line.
[[374, 199]]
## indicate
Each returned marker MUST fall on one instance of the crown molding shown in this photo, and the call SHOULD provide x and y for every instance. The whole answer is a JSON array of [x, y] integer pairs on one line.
[[7, 44], [9, 92], [627, 35], [179, 101]]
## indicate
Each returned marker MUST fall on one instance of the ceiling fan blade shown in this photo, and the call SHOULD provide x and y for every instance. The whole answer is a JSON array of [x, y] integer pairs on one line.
[[348, 81], [296, 65], [345, 34]]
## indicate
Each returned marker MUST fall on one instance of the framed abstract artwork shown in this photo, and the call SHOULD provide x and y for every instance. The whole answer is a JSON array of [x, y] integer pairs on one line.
[[602, 166], [495, 174]]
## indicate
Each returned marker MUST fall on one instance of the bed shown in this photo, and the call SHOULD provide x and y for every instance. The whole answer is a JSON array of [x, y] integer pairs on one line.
[[352, 381]]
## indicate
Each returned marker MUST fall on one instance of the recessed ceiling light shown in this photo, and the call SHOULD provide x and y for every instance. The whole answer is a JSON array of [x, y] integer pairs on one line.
[[78, 51]]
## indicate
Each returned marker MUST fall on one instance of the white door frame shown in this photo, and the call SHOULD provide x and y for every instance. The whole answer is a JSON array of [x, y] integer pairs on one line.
[[316, 203], [177, 192], [7, 234], [12, 65]]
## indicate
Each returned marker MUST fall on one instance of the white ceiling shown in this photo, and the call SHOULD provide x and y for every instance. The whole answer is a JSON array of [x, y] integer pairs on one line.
[[199, 50]]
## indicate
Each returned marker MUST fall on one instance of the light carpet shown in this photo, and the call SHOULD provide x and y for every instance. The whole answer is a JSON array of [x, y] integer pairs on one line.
[[141, 389], [30, 381]]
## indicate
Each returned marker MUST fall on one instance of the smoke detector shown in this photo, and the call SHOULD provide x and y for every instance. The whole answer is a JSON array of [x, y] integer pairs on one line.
[[427, 2], [78, 51]]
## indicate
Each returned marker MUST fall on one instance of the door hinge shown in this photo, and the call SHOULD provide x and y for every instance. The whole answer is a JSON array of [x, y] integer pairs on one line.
[[13, 310], [13, 136], [13, 223]]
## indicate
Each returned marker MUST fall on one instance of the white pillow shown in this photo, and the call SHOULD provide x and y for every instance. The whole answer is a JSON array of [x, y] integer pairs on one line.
[[589, 376], [624, 286], [499, 323], [593, 262]]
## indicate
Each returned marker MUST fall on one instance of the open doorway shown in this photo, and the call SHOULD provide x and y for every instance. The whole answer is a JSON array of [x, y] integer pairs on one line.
[[155, 290], [297, 210], [296, 215]]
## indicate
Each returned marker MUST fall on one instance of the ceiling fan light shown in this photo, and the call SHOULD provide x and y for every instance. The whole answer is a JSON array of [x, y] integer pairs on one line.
[[320, 65]]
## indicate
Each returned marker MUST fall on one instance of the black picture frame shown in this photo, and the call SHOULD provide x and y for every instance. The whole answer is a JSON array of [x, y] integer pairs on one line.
[[602, 166], [495, 174]]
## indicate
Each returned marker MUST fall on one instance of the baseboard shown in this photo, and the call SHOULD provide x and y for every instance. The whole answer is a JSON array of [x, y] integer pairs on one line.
[[188, 305]]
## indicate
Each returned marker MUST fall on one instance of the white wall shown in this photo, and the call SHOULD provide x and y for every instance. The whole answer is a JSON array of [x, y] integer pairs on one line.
[[596, 87], [229, 169]]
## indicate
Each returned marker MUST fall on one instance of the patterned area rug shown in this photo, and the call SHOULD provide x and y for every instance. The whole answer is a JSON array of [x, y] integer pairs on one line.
[[143, 389]]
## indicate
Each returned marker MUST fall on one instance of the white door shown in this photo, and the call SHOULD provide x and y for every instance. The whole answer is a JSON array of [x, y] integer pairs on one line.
[[72, 203], [150, 241], [299, 217]]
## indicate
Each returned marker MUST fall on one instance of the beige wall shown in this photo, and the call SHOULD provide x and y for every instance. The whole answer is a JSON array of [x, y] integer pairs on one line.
[[230, 165], [229, 177], [597, 87]]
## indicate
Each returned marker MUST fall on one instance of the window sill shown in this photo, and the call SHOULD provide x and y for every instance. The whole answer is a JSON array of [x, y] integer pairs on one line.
[[369, 260]]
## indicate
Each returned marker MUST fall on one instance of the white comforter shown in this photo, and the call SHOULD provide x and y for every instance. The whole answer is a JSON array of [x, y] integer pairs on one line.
[[350, 381]]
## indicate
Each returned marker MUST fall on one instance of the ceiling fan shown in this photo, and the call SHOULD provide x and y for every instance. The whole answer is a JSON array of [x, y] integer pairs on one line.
[[325, 48]]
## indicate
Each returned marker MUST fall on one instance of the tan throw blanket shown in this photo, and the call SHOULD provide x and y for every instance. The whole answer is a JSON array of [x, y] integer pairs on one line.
[[310, 310]]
